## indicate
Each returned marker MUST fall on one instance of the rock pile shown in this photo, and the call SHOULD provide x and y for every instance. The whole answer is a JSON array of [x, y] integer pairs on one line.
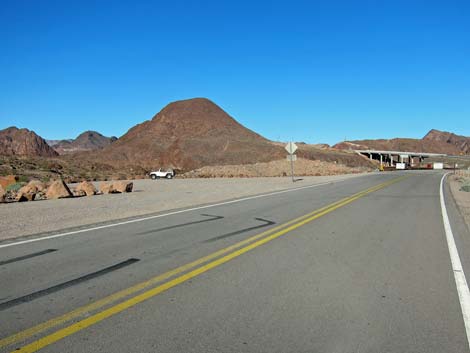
[[37, 190]]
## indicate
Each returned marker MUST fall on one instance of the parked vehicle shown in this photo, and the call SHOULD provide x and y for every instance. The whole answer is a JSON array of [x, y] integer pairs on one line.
[[168, 174]]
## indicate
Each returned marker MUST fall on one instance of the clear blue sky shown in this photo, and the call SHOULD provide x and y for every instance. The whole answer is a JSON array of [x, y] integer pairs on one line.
[[314, 71]]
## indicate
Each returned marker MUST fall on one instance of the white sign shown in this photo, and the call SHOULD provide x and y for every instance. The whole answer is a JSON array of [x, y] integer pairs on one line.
[[291, 147], [437, 165], [291, 157], [400, 166]]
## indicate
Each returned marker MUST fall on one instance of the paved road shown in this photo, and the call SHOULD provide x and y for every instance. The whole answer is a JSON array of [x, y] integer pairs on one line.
[[360, 265]]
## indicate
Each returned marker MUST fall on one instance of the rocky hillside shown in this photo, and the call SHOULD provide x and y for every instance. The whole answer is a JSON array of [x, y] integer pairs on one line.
[[461, 142], [189, 134], [23, 142], [434, 142], [87, 141]]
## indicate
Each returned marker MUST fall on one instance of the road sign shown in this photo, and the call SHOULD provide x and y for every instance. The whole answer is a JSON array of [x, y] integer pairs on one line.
[[291, 147], [291, 157]]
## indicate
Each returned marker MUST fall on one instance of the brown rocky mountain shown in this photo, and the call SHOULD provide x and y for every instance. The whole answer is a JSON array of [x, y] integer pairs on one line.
[[23, 142], [434, 142], [87, 141], [185, 135], [461, 142]]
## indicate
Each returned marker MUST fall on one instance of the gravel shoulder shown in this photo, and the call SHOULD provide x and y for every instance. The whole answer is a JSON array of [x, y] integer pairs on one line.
[[149, 197], [462, 198]]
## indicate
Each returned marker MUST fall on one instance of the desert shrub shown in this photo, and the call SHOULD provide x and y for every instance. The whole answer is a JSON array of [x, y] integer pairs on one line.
[[15, 186], [465, 182], [23, 179]]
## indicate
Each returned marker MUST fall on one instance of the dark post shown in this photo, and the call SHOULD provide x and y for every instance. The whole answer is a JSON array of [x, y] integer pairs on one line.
[[292, 166]]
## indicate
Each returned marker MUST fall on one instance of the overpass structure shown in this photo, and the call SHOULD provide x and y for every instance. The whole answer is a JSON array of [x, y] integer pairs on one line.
[[390, 158]]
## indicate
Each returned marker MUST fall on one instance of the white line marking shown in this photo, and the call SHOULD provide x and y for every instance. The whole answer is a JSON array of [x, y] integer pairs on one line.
[[166, 214], [459, 275]]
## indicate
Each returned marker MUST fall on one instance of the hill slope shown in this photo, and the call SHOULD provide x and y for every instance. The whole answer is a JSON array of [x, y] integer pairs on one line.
[[461, 142], [189, 134], [23, 142]]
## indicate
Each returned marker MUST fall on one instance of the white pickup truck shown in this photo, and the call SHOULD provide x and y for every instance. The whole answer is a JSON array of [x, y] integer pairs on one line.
[[168, 174]]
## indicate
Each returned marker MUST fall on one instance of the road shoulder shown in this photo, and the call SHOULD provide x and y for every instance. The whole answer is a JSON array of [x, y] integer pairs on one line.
[[461, 198]]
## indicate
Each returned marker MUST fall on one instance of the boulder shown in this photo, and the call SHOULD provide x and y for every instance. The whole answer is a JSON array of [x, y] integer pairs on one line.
[[3, 194], [123, 186], [33, 187], [58, 190], [107, 188], [116, 187], [29, 191], [87, 188]]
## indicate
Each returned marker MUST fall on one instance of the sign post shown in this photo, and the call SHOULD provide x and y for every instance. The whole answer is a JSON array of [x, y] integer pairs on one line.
[[291, 147]]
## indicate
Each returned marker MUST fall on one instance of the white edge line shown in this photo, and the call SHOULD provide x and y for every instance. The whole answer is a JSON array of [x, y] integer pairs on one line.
[[459, 275], [166, 214]]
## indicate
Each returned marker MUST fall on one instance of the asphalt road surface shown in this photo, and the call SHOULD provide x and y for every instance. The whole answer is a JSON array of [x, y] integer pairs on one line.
[[360, 265]]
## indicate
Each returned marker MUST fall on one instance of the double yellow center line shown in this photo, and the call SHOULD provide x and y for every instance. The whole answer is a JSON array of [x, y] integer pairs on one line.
[[184, 273]]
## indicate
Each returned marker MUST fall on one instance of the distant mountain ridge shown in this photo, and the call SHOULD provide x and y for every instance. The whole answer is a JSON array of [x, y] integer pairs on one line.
[[23, 142], [86, 141], [434, 141], [194, 133]]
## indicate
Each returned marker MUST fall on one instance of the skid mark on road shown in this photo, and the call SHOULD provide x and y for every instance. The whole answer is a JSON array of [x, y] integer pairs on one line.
[[211, 219], [267, 223], [28, 256], [58, 287]]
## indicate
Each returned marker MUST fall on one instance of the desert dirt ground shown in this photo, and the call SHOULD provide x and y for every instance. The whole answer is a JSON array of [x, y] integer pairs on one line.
[[462, 198], [148, 197]]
